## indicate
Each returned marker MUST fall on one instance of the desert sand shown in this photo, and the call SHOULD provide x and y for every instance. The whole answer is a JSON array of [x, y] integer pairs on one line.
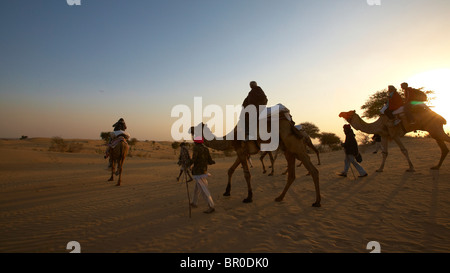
[[51, 198]]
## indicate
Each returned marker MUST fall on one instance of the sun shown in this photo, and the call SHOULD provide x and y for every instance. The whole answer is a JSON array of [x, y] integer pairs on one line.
[[437, 80]]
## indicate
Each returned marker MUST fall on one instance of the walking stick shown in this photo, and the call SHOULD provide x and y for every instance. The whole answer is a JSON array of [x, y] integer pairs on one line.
[[187, 189]]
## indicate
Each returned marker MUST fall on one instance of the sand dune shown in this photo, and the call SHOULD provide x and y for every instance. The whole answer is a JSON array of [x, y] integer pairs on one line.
[[51, 198]]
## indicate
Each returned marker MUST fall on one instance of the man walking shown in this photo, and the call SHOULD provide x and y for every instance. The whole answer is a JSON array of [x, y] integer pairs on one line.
[[201, 159]]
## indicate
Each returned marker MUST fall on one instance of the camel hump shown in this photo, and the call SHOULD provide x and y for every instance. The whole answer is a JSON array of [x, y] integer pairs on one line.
[[296, 131], [428, 115], [279, 109]]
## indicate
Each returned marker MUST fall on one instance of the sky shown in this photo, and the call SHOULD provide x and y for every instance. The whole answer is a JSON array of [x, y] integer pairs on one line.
[[73, 71]]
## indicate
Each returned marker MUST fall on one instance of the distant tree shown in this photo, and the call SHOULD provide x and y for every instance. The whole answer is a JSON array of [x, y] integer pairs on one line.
[[105, 136], [374, 104], [377, 100], [330, 139], [23, 137], [175, 146], [311, 129]]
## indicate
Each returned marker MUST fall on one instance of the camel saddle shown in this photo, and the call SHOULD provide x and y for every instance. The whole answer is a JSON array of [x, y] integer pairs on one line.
[[283, 113], [119, 133], [421, 112], [116, 141]]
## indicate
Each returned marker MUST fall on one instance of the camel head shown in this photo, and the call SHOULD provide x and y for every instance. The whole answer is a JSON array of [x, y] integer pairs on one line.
[[203, 129], [347, 115]]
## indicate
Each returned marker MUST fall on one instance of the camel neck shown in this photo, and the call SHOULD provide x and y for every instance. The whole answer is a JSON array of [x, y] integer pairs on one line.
[[369, 128], [220, 145]]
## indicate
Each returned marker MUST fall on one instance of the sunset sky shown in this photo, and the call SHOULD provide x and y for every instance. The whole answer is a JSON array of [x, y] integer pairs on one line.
[[72, 71]]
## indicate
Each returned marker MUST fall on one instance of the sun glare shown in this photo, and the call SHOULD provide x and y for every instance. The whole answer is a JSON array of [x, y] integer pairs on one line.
[[437, 80]]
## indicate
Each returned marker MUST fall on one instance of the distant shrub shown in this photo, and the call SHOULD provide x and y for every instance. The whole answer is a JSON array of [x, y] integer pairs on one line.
[[332, 140], [105, 136], [75, 147], [59, 145]]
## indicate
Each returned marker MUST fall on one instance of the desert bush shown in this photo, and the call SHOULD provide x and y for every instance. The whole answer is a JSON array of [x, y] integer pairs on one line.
[[105, 136], [332, 140], [59, 145], [75, 148]]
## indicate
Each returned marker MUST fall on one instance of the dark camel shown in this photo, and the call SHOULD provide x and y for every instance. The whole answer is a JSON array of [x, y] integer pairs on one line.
[[426, 120], [293, 147]]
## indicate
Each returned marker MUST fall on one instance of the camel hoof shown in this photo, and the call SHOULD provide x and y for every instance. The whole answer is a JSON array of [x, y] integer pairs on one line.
[[316, 205], [379, 171], [247, 200], [410, 170], [435, 168], [226, 194], [278, 199], [270, 174], [264, 171], [118, 184], [111, 179]]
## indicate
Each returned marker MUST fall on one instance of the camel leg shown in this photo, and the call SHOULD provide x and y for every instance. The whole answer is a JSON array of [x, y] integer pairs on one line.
[[294, 149], [272, 162], [247, 176], [291, 177], [315, 176], [444, 152], [119, 170], [384, 152], [318, 157], [290, 158], [405, 153], [262, 161], [230, 174], [112, 171]]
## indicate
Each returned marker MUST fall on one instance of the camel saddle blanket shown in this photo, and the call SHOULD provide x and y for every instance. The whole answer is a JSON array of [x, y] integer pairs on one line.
[[116, 141], [115, 134], [279, 109]]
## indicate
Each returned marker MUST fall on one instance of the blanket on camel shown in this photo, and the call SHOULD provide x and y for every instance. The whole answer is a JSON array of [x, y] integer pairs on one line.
[[116, 141]]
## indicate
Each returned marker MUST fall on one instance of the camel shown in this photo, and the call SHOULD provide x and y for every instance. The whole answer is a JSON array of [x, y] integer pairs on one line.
[[426, 120], [308, 143], [117, 155], [293, 146]]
